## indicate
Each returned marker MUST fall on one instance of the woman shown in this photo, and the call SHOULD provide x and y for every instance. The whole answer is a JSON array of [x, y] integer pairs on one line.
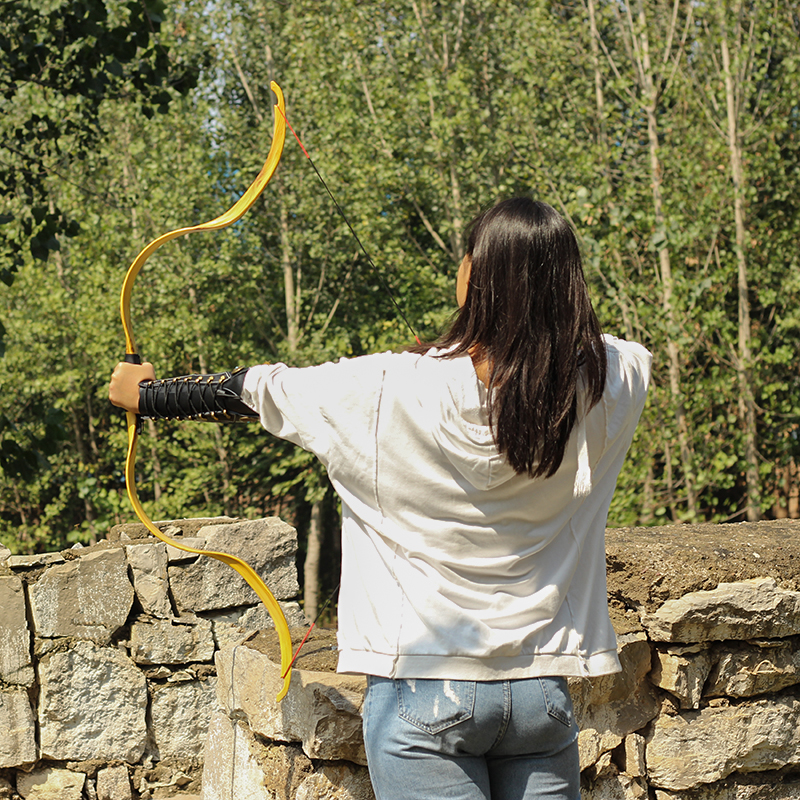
[[475, 477]]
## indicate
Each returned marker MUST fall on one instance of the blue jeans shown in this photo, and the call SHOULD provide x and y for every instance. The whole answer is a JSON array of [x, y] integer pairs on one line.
[[468, 740]]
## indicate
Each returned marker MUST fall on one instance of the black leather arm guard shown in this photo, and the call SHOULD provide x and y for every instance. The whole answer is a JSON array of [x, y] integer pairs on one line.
[[215, 397]]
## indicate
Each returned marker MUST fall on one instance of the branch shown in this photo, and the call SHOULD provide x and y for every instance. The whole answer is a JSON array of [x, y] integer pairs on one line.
[[335, 305], [677, 58], [425, 37], [612, 63], [246, 85], [671, 33]]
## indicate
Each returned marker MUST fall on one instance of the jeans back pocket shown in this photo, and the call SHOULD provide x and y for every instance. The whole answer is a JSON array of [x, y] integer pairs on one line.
[[557, 699], [435, 705]]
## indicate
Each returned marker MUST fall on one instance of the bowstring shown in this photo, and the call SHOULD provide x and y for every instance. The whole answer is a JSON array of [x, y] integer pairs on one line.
[[375, 269]]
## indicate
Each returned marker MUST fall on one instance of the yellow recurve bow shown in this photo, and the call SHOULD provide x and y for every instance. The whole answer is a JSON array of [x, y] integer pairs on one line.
[[234, 213]]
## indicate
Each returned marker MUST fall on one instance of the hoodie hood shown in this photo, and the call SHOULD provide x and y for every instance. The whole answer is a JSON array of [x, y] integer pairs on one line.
[[457, 400]]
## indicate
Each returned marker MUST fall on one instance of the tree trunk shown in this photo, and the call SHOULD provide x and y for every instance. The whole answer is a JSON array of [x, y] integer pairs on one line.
[[599, 94], [290, 298], [650, 92], [311, 564], [88, 505], [602, 140], [747, 404], [86, 458], [793, 492]]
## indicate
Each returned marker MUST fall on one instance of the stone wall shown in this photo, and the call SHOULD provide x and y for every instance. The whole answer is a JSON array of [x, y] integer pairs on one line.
[[128, 668], [707, 706], [107, 676]]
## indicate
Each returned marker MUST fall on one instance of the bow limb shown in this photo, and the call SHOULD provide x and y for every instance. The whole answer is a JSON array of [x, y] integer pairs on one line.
[[233, 214]]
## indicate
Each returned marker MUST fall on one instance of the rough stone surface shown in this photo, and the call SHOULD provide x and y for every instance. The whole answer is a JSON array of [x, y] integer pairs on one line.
[[16, 665], [185, 796], [755, 608], [113, 783], [92, 704], [778, 787], [740, 720], [747, 670], [171, 641], [240, 767], [176, 554], [615, 786], [185, 528], [51, 784], [319, 653], [164, 778], [337, 782], [180, 714], [88, 598], [267, 545], [148, 564], [17, 729], [613, 706], [93, 707], [36, 560], [284, 768], [648, 566], [231, 768], [234, 625], [682, 671], [704, 746], [634, 760], [321, 710]]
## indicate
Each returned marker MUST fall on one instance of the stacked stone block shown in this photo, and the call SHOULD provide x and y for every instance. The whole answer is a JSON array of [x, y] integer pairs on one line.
[[729, 659], [128, 667], [107, 680]]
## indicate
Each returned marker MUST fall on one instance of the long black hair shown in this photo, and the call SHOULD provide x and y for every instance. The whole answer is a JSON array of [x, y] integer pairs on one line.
[[528, 316]]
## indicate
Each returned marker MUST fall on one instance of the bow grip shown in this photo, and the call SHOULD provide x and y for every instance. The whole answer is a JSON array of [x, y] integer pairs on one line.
[[133, 358]]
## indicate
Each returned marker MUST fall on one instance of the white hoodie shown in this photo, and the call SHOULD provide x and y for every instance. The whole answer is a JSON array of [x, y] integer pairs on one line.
[[454, 566]]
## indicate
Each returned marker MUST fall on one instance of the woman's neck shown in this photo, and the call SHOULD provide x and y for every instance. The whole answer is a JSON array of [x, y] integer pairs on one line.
[[481, 366]]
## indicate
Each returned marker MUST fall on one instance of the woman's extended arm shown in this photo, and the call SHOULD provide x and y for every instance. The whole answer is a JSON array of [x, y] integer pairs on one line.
[[216, 397]]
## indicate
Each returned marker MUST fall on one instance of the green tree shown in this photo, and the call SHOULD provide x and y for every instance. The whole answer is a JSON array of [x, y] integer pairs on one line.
[[62, 63], [744, 68]]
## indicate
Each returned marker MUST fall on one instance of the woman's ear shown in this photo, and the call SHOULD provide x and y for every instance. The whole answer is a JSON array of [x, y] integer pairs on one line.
[[462, 280]]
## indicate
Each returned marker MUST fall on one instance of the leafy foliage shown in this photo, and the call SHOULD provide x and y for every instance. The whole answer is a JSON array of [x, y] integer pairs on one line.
[[63, 63]]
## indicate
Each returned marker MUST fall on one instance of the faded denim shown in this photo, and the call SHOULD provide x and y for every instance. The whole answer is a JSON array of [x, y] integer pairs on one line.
[[471, 740]]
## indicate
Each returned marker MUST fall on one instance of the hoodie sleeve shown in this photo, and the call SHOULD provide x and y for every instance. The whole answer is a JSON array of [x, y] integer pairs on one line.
[[626, 385], [329, 410]]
